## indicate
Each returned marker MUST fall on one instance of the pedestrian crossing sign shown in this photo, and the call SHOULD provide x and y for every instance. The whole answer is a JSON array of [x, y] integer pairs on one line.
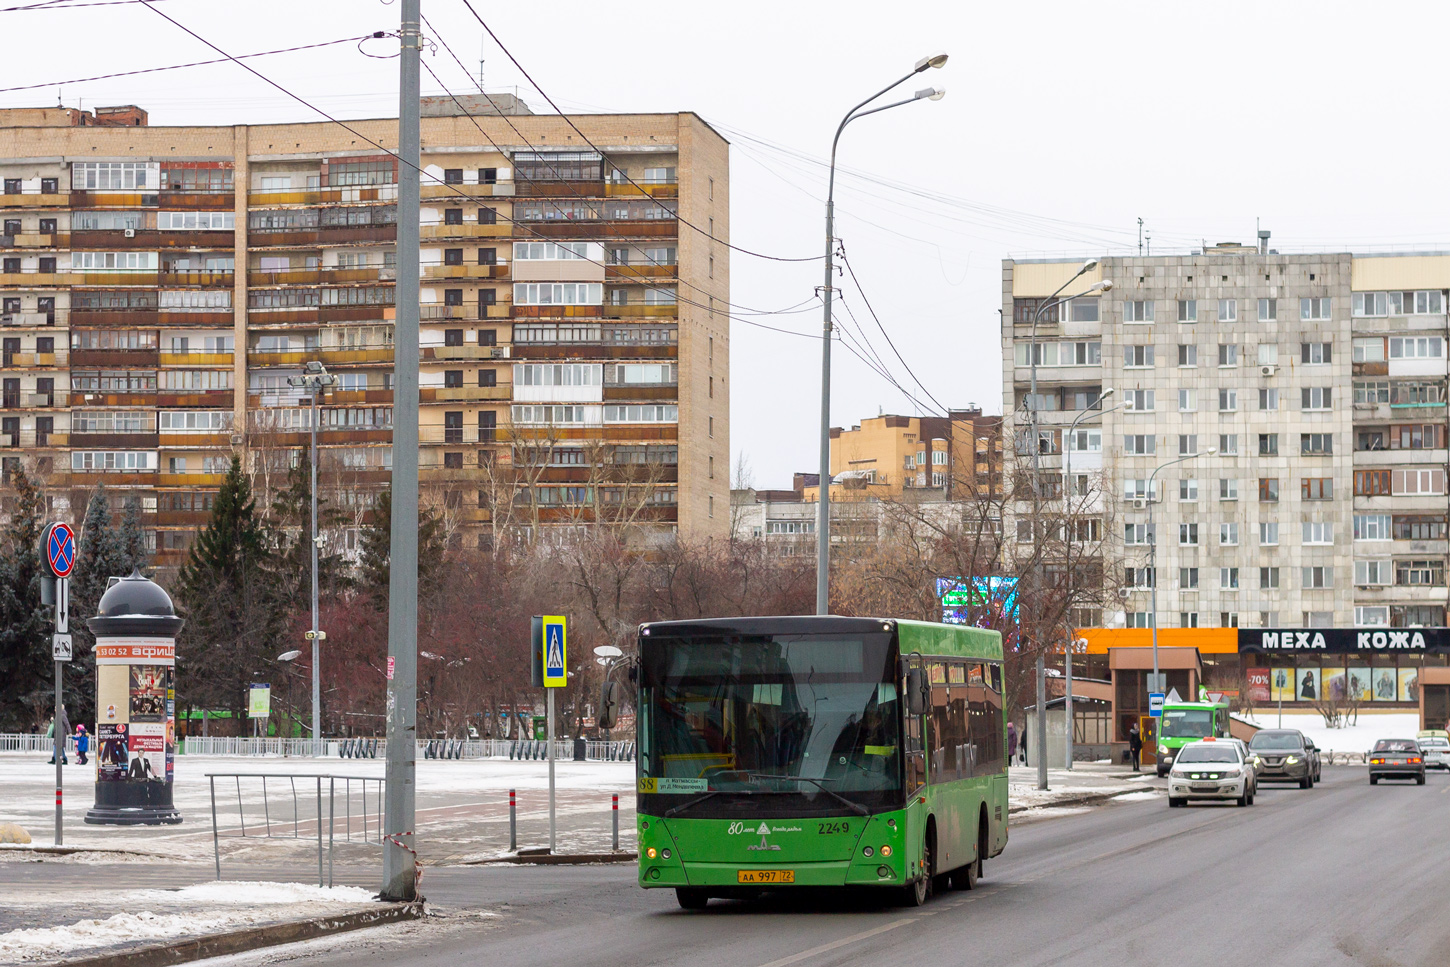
[[556, 673]]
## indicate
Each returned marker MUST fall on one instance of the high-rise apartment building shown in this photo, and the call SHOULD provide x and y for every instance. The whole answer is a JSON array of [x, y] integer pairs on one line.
[[159, 286], [952, 457], [1319, 383]]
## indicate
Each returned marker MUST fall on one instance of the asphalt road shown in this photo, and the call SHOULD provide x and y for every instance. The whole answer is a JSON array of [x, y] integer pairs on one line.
[[1341, 874]]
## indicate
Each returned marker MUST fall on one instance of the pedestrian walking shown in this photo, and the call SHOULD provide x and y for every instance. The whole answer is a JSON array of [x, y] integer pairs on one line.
[[1135, 745], [59, 727], [1011, 741], [83, 744], [1022, 746]]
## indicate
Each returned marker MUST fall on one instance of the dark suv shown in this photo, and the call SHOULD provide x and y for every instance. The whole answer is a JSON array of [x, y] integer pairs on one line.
[[1284, 755]]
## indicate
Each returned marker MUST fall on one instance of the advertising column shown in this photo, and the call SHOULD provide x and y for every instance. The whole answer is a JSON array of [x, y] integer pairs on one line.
[[135, 631]]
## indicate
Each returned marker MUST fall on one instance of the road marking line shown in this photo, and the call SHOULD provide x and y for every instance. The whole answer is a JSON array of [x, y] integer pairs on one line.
[[835, 944]]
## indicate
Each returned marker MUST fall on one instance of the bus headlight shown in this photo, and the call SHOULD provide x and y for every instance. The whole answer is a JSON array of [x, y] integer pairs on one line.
[[1162, 749]]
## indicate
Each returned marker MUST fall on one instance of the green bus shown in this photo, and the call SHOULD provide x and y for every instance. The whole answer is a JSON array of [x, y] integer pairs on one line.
[[818, 751], [1185, 722]]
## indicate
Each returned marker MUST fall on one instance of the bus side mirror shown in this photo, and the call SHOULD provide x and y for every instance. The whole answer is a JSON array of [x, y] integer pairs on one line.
[[915, 692], [608, 705]]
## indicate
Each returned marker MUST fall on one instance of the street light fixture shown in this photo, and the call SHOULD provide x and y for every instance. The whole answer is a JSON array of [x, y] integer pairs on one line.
[[823, 511], [1153, 543], [315, 379]]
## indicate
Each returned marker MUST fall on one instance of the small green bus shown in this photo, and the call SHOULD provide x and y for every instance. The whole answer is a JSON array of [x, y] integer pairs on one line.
[[818, 751], [1185, 722]]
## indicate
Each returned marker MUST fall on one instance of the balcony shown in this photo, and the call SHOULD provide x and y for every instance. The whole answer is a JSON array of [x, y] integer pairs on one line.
[[480, 272], [558, 312], [597, 228], [144, 398], [114, 358], [322, 275], [464, 394], [132, 317], [151, 279], [466, 230], [669, 391], [59, 399], [642, 311], [321, 235], [209, 441], [117, 239], [111, 478], [37, 280], [615, 190], [36, 241], [35, 320], [433, 311], [524, 188], [326, 435], [641, 273], [279, 357], [29, 439], [198, 200], [337, 397], [462, 193], [115, 199], [10, 360], [611, 433], [26, 200], [322, 196], [195, 359], [197, 277], [450, 353], [594, 350], [217, 399], [366, 354], [190, 479], [118, 441], [432, 433]]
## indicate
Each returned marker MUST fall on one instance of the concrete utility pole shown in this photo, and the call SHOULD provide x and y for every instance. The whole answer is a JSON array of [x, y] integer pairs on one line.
[[400, 861]]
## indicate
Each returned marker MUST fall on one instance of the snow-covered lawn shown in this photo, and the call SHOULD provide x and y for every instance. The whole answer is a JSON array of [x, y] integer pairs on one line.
[[160, 915], [1359, 737]]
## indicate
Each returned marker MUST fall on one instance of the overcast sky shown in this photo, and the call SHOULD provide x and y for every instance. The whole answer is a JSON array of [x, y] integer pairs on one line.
[[1063, 124]]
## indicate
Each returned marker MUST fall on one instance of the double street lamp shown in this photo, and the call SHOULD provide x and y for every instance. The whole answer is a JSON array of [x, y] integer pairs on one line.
[[315, 379], [823, 511]]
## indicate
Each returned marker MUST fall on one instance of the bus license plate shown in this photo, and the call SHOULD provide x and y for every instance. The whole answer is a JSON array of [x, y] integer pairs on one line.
[[765, 876]]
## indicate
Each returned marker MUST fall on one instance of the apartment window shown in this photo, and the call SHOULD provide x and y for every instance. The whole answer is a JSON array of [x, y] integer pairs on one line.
[[488, 256], [1370, 573], [1188, 619], [1419, 528], [1138, 444], [1268, 310], [1139, 619], [1228, 619], [1269, 578], [1138, 356], [453, 256], [1315, 397], [47, 265], [1188, 579], [1409, 482], [1228, 533], [453, 379], [1314, 309], [1268, 354], [1228, 488], [453, 337], [1138, 399], [1187, 310], [1268, 399], [12, 186], [1228, 578], [1424, 302], [1187, 400], [49, 186], [1315, 353], [1371, 391], [1368, 350], [1136, 488], [1268, 533], [1228, 354], [1023, 311], [1316, 488], [1138, 312], [1371, 483], [1269, 490], [1187, 444], [1188, 535], [453, 176], [1083, 310], [1316, 444], [47, 226], [487, 176], [1188, 489], [452, 216], [1416, 393], [1416, 347], [1417, 615], [486, 216], [1228, 444], [1135, 534], [1228, 400], [1318, 532], [1371, 616], [488, 337], [488, 377], [1318, 619], [1316, 577], [1187, 354], [1372, 527], [1370, 440], [1228, 310], [1138, 577], [1084, 441], [1419, 436], [1369, 304]]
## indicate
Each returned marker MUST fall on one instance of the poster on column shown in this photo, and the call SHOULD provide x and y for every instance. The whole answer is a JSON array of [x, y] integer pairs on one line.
[[112, 751], [1308, 680], [147, 752], [148, 693], [1409, 685]]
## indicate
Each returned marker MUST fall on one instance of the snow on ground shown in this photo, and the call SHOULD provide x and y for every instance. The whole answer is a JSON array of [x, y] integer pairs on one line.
[[1140, 796], [1359, 737], [209, 908]]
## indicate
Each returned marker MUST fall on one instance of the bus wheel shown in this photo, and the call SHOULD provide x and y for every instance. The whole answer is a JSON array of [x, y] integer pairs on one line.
[[917, 893], [691, 898], [965, 878]]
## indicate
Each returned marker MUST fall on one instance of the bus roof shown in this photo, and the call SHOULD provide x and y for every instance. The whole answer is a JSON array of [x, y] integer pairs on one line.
[[924, 637], [1222, 704]]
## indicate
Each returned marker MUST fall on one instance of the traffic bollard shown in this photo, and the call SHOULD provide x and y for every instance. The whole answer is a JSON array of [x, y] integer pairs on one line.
[[616, 822], [513, 824]]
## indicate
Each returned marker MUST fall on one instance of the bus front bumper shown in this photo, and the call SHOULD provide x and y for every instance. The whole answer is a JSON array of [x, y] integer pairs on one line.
[[815, 873]]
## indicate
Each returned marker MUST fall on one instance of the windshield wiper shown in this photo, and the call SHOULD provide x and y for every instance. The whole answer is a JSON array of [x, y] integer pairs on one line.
[[855, 806], [672, 813]]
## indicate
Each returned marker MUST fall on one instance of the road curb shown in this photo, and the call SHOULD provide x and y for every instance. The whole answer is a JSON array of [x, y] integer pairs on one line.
[[72, 850], [559, 859], [1086, 799], [252, 938]]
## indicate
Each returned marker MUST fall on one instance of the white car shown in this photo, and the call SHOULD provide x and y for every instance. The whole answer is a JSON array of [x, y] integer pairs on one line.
[[1212, 769], [1437, 751]]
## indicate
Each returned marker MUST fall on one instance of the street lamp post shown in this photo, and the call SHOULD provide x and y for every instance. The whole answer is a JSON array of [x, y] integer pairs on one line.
[[1104, 285], [1153, 543], [1066, 495], [315, 379], [823, 511]]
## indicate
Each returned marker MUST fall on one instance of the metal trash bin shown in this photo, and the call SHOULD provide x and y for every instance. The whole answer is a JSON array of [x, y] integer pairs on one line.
[[581, 748]]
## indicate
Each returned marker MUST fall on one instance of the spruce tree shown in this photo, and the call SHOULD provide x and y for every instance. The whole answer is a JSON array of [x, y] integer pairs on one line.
[[132, 539], [376, 542], [100, 556], [26, 671], [291, 526], [229, 596]]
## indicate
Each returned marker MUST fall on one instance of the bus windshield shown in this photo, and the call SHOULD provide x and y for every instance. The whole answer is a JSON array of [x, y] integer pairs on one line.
[[1186, 723], [808, 714]]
